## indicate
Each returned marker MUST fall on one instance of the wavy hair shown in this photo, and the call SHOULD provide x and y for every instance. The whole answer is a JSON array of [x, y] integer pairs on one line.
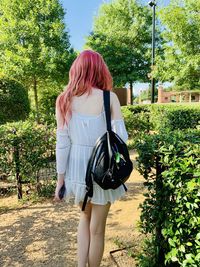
[[87, 71]]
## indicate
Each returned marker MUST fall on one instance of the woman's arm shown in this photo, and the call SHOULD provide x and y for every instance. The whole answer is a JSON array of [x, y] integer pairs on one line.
[[117, 121], [63, 145]]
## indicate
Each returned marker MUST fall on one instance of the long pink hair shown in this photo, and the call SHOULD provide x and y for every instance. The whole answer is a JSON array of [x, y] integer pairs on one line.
[[87, 71]]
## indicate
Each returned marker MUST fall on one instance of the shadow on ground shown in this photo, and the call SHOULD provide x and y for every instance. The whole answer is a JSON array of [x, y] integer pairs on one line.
[[44, 234], [39, 236]]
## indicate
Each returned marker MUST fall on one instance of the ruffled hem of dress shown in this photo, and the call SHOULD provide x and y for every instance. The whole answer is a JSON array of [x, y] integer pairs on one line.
[[100, 196]]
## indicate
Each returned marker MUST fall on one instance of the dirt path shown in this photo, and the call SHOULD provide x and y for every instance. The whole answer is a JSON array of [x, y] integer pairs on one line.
[[44, 234]]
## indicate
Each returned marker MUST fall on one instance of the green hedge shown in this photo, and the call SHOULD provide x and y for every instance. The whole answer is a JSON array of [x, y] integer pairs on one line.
[[137, 120], [160, 117], [170, 164], [36, 146], [174, 116], [14, 101]]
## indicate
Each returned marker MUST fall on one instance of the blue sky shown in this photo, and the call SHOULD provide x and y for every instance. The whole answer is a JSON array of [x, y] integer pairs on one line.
[[79, 18]]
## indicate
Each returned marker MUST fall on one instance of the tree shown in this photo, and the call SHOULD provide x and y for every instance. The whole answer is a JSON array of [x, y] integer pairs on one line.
[[122, 34], [181, 59], [14, 101], [34, 44]]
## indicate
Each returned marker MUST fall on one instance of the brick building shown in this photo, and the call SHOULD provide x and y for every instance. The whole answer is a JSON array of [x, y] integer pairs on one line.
[[124, 95], [177, 96]]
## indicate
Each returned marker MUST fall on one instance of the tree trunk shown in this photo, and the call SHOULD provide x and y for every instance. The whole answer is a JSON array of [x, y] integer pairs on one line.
[[131, 92], [36, 99]]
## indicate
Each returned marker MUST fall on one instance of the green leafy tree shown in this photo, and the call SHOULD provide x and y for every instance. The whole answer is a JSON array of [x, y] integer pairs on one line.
[[181, 59], [122, 34], [34, 47], [14, 101]]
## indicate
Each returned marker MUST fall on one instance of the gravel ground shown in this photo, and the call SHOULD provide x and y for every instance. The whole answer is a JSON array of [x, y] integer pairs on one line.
[[44, 234]]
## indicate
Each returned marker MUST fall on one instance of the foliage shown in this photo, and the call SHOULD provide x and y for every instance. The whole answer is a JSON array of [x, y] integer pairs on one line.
[[122, 34], [46, 118], [35, 143], [142, 119], [170, 211], [34, 45], [147, 255], [48, 100], [14, 101], [181, 33], [47, 103], [146, 94], [136, 120], [172, 116], [34, 40], [47, 190]]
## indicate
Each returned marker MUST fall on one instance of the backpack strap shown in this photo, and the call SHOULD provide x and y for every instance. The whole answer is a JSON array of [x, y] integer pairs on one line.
[[89, 193], [85, 201], [125, 188], [89, 179], [106, 99], [89, 190]]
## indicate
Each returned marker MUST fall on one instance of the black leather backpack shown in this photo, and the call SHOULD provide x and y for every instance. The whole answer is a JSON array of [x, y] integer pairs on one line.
[[109, 164]]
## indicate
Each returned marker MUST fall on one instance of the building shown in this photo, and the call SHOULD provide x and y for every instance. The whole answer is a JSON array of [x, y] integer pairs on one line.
[[177, 96], [124, 95]]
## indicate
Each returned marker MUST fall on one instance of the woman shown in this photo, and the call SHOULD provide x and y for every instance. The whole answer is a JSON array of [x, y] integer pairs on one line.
[[80, 121]]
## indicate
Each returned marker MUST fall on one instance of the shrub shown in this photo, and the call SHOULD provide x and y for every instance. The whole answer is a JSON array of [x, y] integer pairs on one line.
[[142, 119], [170, 165], [35, 144], [14, 101], [48, 102], [136, 120], [174, 116], [44, 118], [47, 190]]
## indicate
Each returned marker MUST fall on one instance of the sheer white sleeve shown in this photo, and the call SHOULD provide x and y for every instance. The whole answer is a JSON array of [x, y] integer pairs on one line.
[[118, 126], [63, 145]]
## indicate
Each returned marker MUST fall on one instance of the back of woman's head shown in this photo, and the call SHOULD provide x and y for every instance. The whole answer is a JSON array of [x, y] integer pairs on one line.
[[87, 71]]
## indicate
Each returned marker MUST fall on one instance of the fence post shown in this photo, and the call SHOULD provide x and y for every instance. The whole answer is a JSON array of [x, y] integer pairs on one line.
[[17, 165]]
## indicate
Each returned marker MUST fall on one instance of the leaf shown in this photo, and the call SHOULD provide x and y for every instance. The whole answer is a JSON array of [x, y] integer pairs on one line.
[[174, 258], [198, 236], [189, 256], [182, 248], [171, 242], [197, 258], [191, 185], [188, 205]]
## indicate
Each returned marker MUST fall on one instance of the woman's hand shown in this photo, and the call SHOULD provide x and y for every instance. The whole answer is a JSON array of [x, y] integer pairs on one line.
[[59, 184]]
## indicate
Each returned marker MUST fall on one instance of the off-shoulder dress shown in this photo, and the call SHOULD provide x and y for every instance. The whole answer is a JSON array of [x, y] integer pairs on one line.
[[74, 144]]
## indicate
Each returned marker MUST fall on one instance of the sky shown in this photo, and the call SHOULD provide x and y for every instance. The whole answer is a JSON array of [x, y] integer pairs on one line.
[[79, 19]]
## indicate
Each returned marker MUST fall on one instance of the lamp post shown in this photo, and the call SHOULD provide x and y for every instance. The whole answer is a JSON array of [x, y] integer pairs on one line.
[[153, 5]]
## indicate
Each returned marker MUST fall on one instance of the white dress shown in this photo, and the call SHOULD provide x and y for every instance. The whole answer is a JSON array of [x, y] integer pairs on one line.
[[74, 144]]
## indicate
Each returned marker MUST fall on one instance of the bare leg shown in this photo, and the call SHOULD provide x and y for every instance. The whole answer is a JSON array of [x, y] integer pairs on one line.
[[83, 236], [97, 233]]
